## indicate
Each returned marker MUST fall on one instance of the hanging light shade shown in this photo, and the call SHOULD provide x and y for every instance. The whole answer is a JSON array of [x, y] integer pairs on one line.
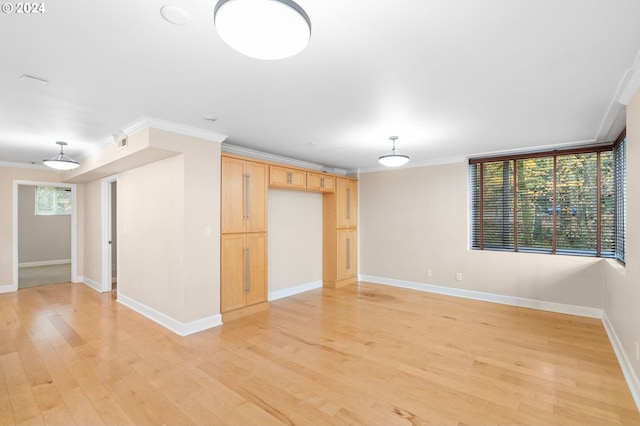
[[394, 159], [61, 161], [263, 29]]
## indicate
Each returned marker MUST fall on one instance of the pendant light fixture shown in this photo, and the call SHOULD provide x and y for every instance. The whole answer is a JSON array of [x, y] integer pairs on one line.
[[61, 161], [263, 29], [394, 159]]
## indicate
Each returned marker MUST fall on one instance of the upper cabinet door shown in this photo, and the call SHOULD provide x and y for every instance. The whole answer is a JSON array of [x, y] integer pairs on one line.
[[346, 203], [285, 177], [320, 182], [243, 196]]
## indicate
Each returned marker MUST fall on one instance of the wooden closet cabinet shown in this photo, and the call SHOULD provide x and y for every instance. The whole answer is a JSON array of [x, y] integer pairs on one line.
[[243, 271], [340, 234], [243, 196], [243, 243]]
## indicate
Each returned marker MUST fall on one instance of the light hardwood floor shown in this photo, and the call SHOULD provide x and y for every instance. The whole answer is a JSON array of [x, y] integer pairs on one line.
[[366, 354]]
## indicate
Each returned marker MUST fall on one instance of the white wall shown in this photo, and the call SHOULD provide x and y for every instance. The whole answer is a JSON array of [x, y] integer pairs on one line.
[[295, 238], [622, 296], [416, 219], [40, 238]]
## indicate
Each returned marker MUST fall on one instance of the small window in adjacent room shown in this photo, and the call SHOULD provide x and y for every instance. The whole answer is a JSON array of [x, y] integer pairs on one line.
[[52, 201], [559, 202]]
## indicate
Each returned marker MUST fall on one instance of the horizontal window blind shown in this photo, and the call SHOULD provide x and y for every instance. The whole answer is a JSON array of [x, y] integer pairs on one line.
[[564, 202], [620, 172]]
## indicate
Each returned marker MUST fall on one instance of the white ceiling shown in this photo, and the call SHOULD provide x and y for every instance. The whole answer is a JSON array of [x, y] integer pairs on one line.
[[450, 77]]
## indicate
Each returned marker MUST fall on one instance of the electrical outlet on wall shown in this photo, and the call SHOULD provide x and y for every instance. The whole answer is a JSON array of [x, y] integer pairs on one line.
[[458, 276], [429, 273]]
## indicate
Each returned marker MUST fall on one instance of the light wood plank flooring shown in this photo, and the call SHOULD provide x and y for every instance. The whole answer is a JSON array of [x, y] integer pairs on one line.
[[366, 354]]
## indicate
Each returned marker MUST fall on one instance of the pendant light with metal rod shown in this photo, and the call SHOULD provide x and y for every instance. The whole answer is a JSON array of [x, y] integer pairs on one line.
[[263, 29], [61, 161], [394, 159]]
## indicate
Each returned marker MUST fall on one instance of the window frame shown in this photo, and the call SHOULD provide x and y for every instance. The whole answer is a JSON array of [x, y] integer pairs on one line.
[[55, 211], [477, 238], [620, 197]]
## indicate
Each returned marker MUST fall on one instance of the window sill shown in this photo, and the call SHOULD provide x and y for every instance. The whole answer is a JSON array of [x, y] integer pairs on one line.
[[617, 266]]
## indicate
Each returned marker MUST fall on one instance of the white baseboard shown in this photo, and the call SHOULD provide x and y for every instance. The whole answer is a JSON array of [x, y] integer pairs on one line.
[[8, 288], [44, 263], [561, 308], [93, 284], [280, 294], [625, 364], [180, 328]]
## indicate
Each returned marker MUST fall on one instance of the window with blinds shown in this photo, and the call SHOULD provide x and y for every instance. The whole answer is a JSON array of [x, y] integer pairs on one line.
[[620, 170], [560, 202]]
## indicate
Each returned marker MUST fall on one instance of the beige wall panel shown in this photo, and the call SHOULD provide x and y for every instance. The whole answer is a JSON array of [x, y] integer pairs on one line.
[[416, 219], [151, 235], [295, 238], [622, 283], [92, 227]]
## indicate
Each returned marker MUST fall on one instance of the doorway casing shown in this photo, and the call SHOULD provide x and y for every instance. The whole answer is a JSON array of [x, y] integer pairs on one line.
[[74, 227], [107, 261]]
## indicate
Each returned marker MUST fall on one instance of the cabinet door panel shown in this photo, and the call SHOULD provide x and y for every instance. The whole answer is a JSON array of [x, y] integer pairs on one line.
[[284, 177], [329, 183], [347, 254], [232, 270], [257, 246], [346, 203], [232, 195], [298, 179], [278, 176], [257, 197], [320, 182], [353, 204]]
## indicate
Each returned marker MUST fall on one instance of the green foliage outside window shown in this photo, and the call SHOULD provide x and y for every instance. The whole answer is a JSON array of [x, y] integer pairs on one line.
[[556, 203], [52, 201]]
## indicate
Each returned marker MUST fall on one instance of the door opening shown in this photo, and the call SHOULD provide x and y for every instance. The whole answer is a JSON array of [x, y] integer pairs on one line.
[[109, 234]]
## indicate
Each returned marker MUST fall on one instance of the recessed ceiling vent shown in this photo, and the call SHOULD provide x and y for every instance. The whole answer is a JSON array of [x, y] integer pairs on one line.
[[122, 142]]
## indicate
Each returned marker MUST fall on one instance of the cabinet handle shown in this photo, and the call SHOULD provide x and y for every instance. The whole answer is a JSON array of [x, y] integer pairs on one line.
[[247, 270], [244, 190], [289, 179], [248, 197], [348, 203], [348, 253], [322, 182]]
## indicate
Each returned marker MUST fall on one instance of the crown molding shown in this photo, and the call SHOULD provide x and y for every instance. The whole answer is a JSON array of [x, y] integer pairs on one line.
[[259, 155], [156, 123], [411, 165], [630, 82], [25, 165]]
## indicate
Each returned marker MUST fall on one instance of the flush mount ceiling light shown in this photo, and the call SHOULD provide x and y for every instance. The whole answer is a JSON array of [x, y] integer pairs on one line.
[[394, 159], [263, 29], [61, 161]]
